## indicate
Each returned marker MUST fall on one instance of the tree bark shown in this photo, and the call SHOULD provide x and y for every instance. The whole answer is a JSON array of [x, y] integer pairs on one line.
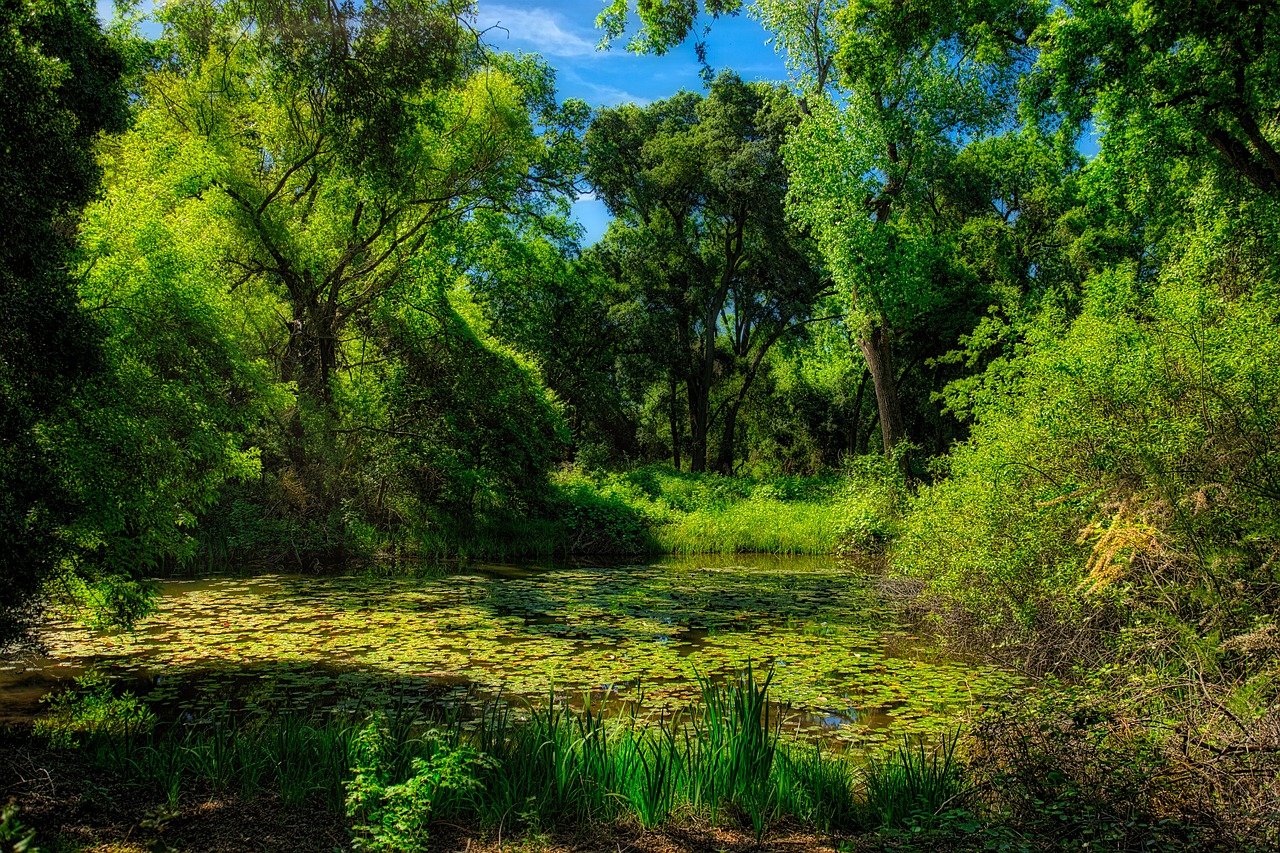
[[675, 426], [704, 375], [725, 458], [699, 411], [724, 461], [857, 413], [877, 349]]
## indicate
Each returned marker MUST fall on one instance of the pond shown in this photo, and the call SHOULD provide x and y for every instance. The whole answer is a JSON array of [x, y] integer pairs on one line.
[[847, 665]]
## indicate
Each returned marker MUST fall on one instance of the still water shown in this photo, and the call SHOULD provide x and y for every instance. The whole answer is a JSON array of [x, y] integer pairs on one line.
[[847, 665]]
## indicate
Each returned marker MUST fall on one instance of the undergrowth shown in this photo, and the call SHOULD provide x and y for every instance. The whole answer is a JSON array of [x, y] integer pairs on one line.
[[394, 773], [646, 510], [658, 509]]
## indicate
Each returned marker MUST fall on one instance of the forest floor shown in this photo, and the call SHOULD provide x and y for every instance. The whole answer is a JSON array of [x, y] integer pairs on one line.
[[77, 807]]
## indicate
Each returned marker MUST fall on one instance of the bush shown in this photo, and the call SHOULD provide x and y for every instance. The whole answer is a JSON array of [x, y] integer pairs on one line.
[[1125, 463], [14, 836], [391, 813], [91, 710], [1114, 520]]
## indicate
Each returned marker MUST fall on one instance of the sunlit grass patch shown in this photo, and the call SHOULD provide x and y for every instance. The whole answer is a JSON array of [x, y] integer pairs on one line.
[[761, 525], [706, 514]]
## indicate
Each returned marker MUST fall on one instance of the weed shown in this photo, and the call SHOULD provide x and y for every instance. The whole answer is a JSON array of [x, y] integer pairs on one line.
[[914, 785], [721, 757], [14, 836]]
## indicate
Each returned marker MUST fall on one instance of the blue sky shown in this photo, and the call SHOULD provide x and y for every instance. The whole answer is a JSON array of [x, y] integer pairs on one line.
[[564, 34]]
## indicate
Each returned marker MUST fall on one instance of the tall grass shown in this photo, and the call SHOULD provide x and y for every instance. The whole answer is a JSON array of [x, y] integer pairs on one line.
[[660, 509], [303, 760], [721, 758], [912, 784], [757, 525]]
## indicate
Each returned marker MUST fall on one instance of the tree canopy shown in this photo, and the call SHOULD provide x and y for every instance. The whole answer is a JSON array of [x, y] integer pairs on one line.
[[701, 244], [60, 86]]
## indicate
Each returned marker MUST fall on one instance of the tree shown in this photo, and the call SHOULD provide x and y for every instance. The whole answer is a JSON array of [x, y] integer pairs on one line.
[[806, 34], [891, 92], [700, 244], [663, 24], [474, 431], [60, 86], [918, 82], [544, 298], [150, 441], [336, 142], [1199, 76], [804, 31]]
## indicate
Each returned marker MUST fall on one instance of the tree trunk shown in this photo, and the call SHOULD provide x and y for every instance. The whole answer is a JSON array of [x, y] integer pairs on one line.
[[857, 414], [675, 426], [724, 462], [699, 411], [312, 353], [700, 394], [877, 349], [310, 442]]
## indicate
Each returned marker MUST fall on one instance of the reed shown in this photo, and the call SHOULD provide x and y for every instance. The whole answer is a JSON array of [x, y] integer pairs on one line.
[[721, 758]]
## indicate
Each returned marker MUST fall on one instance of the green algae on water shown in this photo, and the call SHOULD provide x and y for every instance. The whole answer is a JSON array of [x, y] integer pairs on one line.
[[632, 634]]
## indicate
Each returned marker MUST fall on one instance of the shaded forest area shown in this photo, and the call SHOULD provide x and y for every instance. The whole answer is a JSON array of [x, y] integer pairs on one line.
[[295, 284]]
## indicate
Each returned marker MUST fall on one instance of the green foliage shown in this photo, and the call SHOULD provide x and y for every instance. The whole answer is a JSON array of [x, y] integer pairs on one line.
[[60, 86], [1189, 77], [14, 836], [914, 786], [1111, 450], [394, 775], [873, 173], [662, 25], [1113, 510], [327, 305], [544, 301], [255, 268], [92, 711], [484, 432], [657, 509], [598, 519], [151, 442], [392, 814], [709, 273]]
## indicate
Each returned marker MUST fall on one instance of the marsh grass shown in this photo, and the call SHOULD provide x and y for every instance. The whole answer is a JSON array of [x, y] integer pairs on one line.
[[658, 509], [759, 525], [651, 509], [913, 784], [548, 765]]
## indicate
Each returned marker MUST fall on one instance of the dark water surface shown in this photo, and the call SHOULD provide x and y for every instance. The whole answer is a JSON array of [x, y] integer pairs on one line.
[[845, 663]]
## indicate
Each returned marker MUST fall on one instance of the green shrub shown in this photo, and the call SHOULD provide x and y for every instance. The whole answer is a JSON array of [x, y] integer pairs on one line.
[[599, 521], [91, 710], [1127, 461], [14, 836], [391, 813]]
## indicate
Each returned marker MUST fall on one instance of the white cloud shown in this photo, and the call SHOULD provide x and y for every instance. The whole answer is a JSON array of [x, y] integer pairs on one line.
[[598, 94], [537, 28], [608, 96]]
